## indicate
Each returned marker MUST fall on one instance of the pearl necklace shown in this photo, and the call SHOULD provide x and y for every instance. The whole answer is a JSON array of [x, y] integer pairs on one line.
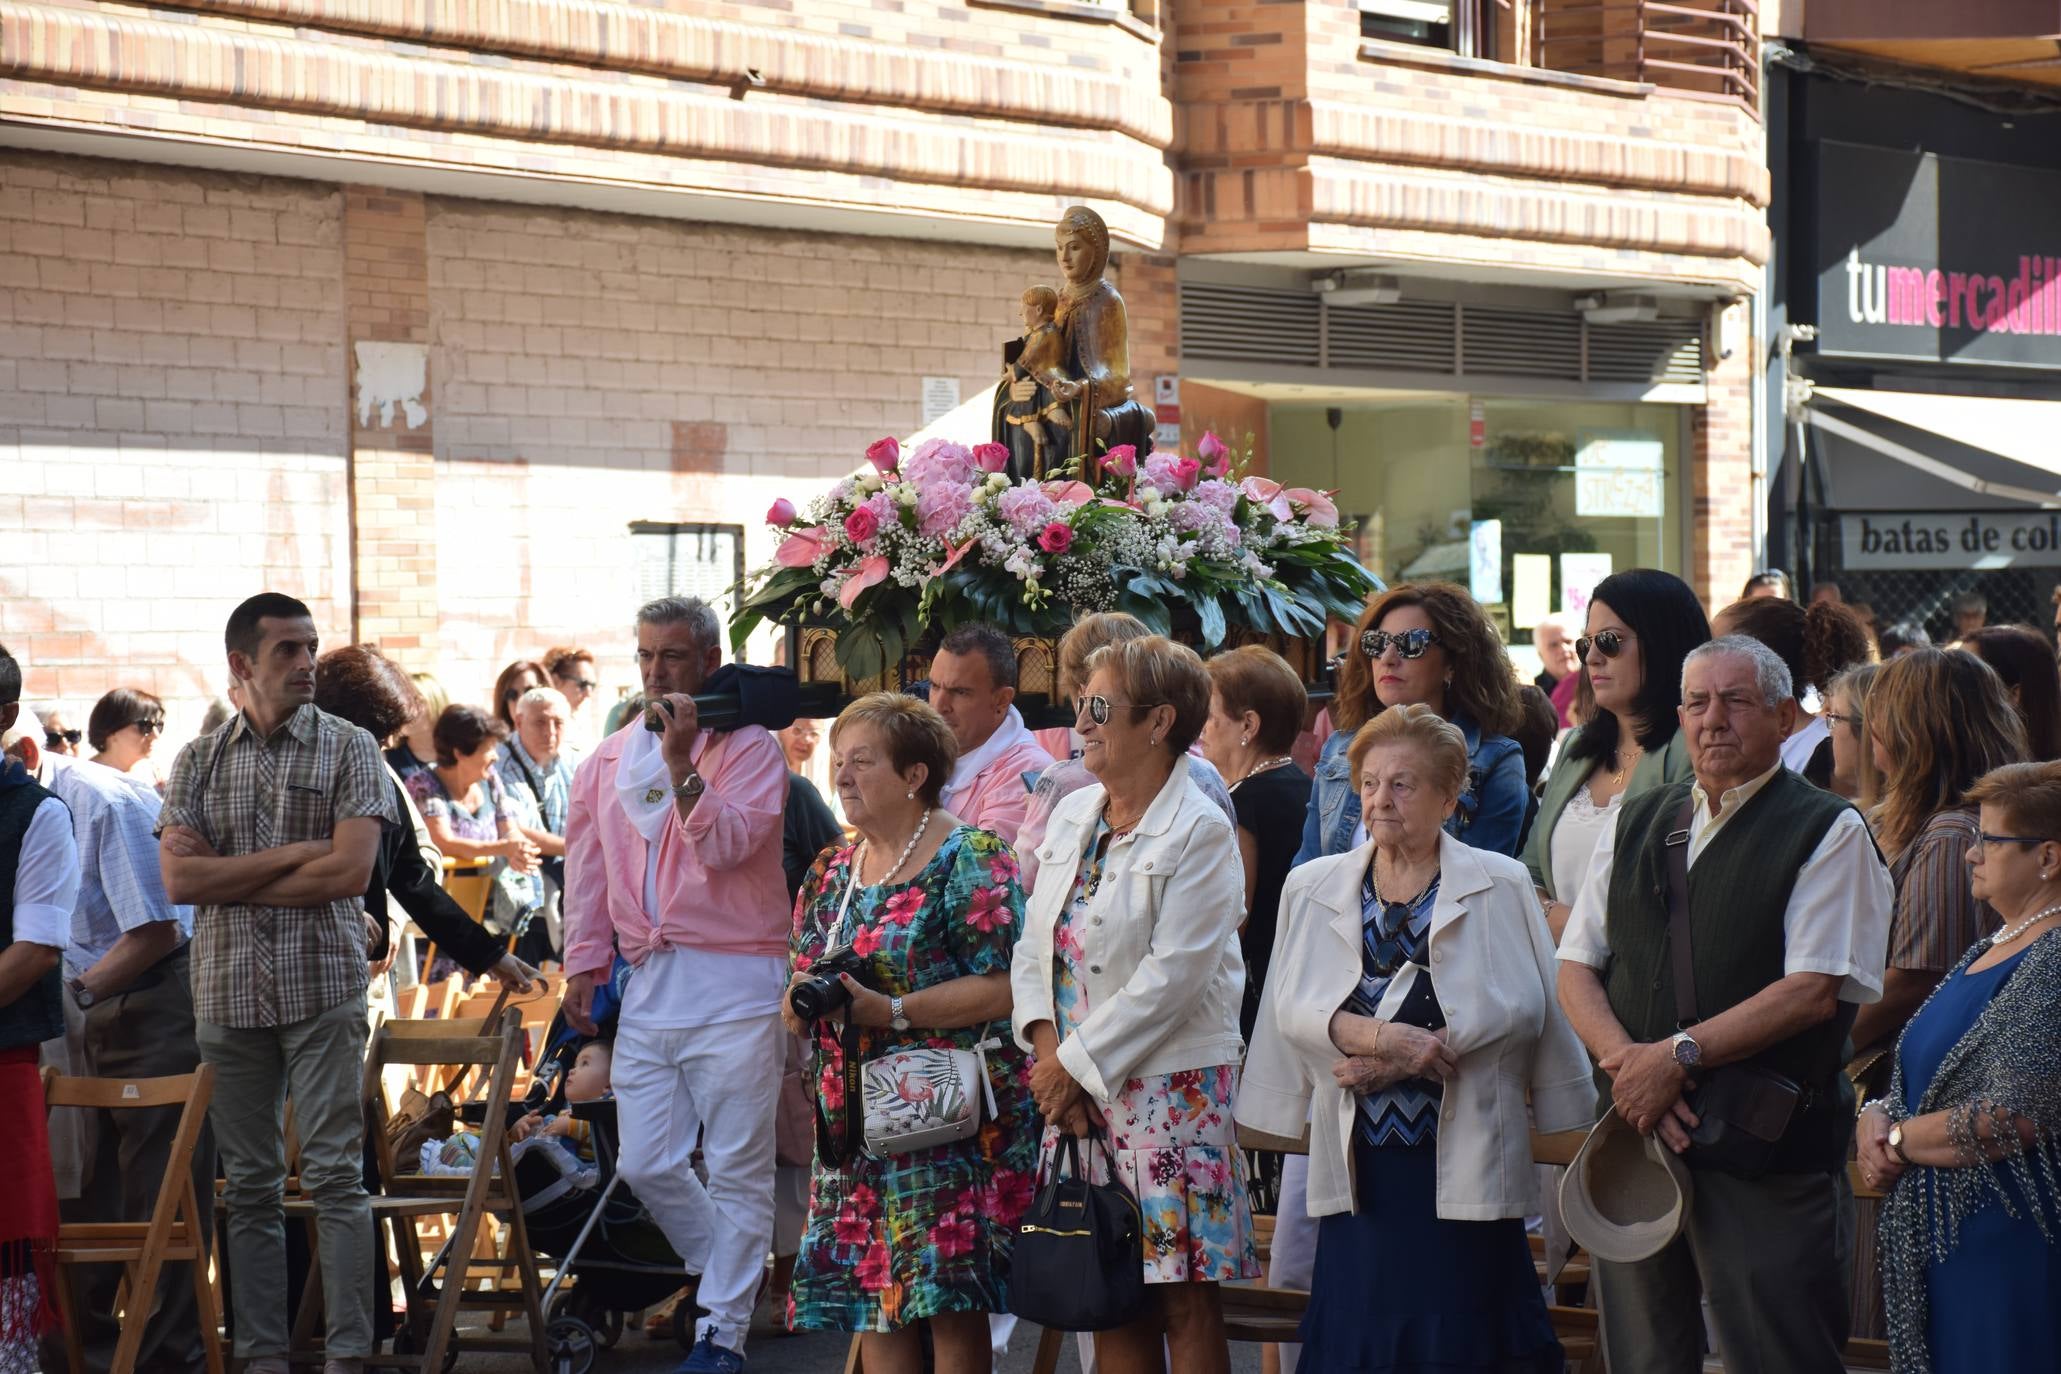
[[1262, 766], [907, 850], [2007, 936]]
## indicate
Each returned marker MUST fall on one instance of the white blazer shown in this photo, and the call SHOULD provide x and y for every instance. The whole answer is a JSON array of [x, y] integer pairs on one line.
[[1493, 970], [1163, 973]]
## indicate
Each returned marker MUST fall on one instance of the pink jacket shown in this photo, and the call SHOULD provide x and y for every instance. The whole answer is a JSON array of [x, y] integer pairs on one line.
[[720, 885], [997, 797]]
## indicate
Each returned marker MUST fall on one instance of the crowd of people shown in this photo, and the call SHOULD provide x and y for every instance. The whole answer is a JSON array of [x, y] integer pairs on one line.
[[1764, 889]]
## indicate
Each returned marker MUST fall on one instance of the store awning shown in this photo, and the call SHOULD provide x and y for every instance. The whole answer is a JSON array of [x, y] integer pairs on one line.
[[2001, 449]]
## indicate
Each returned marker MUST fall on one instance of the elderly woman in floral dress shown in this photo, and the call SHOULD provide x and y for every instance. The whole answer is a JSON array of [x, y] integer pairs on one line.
[[930, 908]]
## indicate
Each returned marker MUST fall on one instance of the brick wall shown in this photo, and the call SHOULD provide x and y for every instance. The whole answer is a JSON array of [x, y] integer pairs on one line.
[[1721, 549], [171, 419], [592, 370]]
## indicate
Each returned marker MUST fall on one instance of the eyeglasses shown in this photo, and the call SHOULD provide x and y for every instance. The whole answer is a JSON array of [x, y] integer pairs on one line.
[[1408, 644], [1097, 709], [1834, 718], [1985, 839], [584, 684], [53, 739], [1610, 644], [147, 728]]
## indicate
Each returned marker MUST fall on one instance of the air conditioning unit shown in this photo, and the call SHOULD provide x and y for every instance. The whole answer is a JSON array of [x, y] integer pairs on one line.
[[1356, 288], [1617, 308]]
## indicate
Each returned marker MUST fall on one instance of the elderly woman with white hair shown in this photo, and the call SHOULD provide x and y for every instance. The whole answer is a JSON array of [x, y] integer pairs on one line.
[[1408, 1019]]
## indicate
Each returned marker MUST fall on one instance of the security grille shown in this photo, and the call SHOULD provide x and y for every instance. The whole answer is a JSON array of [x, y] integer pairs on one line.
[[1924, 596], [1273, 327], [689, 560]]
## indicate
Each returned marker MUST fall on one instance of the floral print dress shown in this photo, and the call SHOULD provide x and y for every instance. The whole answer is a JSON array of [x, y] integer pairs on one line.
[[1171, 1134], [895, 1239]]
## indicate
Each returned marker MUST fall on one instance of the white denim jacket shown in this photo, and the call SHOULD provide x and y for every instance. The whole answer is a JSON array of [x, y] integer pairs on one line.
[[1163, 972], [1493, 970]]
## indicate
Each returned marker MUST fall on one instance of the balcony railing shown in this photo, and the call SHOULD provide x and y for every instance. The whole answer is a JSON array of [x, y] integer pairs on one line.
[[1705, 47]]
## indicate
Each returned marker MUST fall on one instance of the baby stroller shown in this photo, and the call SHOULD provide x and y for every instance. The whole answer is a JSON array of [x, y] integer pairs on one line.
[[599, 1235]]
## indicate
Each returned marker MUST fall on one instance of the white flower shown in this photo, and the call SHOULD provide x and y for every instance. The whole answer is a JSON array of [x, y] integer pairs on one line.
[[867, 481], [997, 481], [906, 495]]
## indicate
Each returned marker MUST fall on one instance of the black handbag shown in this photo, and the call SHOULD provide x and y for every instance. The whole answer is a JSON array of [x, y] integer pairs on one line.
[[1742, 1110], [1079, 1263]]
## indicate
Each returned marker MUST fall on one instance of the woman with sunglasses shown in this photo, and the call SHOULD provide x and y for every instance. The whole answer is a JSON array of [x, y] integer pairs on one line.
[[1938, 721], [1127, 985], [1410, 1020], [517, 678], [1641, 624], [1968, 1138], [124, 729], [1426, 644]]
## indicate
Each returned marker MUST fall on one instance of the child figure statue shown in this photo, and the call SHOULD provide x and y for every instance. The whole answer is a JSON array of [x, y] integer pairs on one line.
[[1042, 361]]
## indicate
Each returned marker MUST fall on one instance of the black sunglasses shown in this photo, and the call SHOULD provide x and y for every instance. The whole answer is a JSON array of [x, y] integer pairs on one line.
[[1098, 708], [149, 727], [54, 738], [584, 684], [1610, 644], [1409, 644]]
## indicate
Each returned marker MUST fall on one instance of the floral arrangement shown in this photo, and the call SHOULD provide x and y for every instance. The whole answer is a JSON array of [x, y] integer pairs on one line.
[[942, 536]]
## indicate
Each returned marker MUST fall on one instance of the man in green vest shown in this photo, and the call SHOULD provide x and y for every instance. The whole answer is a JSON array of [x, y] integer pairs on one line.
[[1787, 909]]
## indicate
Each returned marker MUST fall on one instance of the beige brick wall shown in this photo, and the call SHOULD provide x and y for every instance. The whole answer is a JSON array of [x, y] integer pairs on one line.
[[171, 419], [592, 370]]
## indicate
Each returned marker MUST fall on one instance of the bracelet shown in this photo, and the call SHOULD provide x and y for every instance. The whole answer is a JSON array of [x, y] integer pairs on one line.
[[1375, 1048]]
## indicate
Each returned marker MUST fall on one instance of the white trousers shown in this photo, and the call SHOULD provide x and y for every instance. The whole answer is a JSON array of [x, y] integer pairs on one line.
[[1293, 1260], [710, 1083]]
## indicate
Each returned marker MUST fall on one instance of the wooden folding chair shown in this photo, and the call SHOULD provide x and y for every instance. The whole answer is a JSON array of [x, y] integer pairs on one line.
[[468, 883], [176, 1233], [492, 1048]]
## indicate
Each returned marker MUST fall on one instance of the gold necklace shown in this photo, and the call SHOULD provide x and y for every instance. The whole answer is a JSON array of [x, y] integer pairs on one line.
[[1626, 760]]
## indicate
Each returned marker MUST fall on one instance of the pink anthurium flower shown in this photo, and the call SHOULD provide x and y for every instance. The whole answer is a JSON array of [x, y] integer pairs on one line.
[[1317, 506], [1069, 493], [957, 554], [884, 454], [781, 513], [801, 548], [1268, 495], [870, 572]]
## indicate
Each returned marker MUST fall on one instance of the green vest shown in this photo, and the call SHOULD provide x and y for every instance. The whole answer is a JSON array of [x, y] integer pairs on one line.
[[1739, 890]]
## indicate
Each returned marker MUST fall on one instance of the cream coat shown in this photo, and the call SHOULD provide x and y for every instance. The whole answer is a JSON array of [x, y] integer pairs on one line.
[[1164, 976], [1493, 969]]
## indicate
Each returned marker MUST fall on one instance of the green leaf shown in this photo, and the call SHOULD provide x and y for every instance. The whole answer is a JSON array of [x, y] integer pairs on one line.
[[1212, 616]]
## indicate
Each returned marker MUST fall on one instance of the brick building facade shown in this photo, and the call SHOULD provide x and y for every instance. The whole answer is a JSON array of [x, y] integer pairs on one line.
[[419, 310]]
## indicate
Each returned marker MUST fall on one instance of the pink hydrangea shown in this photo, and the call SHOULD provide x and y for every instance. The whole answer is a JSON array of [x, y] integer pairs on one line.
[[1024, 509], [1171, 472], [941, 507], [939, 461], [1220, 497]]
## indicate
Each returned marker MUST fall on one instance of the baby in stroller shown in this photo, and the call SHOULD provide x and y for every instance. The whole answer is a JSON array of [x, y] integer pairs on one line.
[[586, 1081], [559, 1132]]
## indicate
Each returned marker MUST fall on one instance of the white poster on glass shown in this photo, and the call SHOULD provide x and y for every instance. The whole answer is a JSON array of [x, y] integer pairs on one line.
[[1619, 473], [1531, 589], [1579, 574]]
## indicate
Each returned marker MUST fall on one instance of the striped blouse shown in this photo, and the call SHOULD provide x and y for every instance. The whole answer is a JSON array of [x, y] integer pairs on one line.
[[1936, 917]]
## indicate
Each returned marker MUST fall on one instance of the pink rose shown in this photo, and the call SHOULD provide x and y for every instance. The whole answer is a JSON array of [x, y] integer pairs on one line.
[[1186, 470], [884, 454], [870, 571], [991, 457], [1056, 537], [781, 513], [861, 525], [1214, 453], [1121, 460], [801, 548]]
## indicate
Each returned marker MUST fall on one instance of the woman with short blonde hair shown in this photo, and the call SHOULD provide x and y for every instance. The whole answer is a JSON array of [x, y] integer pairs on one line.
[[1127, 987], [1420, 1172]]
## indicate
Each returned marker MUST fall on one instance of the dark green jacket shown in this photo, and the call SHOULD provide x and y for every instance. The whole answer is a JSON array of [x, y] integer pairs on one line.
[[1670, 765]]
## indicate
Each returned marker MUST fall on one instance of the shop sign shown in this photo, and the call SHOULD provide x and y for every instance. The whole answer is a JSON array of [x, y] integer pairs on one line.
[[1937, 259], [1619, 475], [1985, 539]]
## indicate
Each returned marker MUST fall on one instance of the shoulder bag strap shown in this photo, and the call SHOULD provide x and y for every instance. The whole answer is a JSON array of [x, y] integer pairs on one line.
[[1677, 847]]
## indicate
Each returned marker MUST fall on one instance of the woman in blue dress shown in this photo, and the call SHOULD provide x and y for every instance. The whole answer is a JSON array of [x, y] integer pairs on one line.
[[1968, 1141]]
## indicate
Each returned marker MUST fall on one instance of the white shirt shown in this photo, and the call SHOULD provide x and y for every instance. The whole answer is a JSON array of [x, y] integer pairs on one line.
[[46, 878], [1582, 827], [1837, 922], [1798, 748], [685, 989]]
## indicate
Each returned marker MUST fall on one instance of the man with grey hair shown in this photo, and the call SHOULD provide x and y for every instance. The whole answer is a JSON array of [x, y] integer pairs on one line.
[[1784, 903], [537, 778], [673, 847]]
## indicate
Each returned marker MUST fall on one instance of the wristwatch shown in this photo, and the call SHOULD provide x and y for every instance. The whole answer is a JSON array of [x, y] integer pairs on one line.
[[1686, 1051], [895, 1017], [693, 785], [1896, 1142], [80, 993]]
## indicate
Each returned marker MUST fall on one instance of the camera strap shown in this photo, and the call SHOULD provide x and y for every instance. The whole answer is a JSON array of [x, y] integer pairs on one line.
[[836, 1152]]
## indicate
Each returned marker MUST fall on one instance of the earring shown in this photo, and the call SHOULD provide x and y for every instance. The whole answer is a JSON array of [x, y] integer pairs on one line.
[[1244, 741], [1155, 741], [910, 794]]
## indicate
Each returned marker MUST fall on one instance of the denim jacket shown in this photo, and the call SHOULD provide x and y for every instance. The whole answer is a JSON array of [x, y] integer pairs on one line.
[[1490, 816]]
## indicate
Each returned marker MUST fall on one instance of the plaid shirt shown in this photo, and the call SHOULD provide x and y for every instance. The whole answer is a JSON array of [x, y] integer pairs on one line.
[[261, 966]]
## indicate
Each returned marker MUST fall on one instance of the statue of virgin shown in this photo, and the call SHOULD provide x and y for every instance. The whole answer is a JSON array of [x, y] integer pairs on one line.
[[1096, 361]]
